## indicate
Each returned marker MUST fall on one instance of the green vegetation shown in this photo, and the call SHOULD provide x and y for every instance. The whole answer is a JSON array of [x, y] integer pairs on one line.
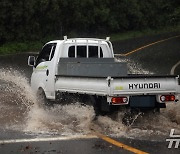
[[36, 20], [35, 46], [16, 47]]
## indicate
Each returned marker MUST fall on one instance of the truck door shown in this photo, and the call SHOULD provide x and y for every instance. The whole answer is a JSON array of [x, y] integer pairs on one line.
[[43, 68]]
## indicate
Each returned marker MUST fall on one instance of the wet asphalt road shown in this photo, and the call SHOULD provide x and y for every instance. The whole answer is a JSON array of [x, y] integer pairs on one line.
[[75, 146], [158, 58]]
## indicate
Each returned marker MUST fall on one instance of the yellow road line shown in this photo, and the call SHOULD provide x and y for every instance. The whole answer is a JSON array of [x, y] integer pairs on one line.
[[121, 145], [128, 53]]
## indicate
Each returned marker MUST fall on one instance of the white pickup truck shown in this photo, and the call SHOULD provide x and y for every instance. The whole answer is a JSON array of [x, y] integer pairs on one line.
[[86, 67]]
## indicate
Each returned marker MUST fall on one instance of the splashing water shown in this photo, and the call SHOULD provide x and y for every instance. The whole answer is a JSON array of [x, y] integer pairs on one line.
[[133, 68], [16, 98], [20, 110], [63, 120]]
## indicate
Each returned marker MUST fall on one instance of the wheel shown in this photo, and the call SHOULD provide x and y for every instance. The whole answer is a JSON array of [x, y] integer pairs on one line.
[[100, 106], [96, 105], [92, 101], [42, 98], [156, 110]]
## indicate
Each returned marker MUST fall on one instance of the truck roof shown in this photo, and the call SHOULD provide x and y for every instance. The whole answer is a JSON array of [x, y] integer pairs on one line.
[[86, 41], [82, 40]]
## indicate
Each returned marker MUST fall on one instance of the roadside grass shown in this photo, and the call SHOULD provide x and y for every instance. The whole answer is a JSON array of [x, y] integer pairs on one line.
[[35, 46]]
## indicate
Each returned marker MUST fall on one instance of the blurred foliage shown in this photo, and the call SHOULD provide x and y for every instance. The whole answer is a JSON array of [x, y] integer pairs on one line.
[[38, 19], [17, 47]]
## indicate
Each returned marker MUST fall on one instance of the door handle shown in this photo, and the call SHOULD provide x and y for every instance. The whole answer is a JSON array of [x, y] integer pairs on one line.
[[47, 72]]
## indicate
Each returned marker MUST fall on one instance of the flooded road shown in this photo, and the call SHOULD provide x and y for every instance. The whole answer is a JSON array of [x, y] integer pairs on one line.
[[21, 115]]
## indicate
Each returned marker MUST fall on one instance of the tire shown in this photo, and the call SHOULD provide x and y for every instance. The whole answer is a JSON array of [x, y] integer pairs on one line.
[[97, 104], [42, 98], [92, 101], [157, 110]]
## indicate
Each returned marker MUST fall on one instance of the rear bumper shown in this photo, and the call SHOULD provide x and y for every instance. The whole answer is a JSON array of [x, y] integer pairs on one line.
[[142, 101]]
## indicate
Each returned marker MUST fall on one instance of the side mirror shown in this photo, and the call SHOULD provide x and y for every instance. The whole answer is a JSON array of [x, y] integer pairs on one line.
[[31, 61]]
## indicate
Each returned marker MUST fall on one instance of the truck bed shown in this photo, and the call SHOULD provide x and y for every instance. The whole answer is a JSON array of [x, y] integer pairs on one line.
[[106, 77]]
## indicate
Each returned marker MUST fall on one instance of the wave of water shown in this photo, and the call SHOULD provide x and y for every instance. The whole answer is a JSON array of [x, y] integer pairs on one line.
[[20, 111]]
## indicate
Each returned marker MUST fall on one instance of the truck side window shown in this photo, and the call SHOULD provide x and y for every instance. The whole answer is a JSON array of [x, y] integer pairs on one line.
[[44, 55]]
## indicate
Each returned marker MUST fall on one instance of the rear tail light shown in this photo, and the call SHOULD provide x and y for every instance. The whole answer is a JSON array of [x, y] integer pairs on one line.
[[167, 98], [119, 100]]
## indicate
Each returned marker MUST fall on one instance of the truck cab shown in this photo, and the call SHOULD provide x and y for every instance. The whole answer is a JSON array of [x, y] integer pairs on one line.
[[45, 65]]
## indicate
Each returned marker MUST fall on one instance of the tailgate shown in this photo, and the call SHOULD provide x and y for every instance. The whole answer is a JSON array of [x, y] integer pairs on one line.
[[139, 85]]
